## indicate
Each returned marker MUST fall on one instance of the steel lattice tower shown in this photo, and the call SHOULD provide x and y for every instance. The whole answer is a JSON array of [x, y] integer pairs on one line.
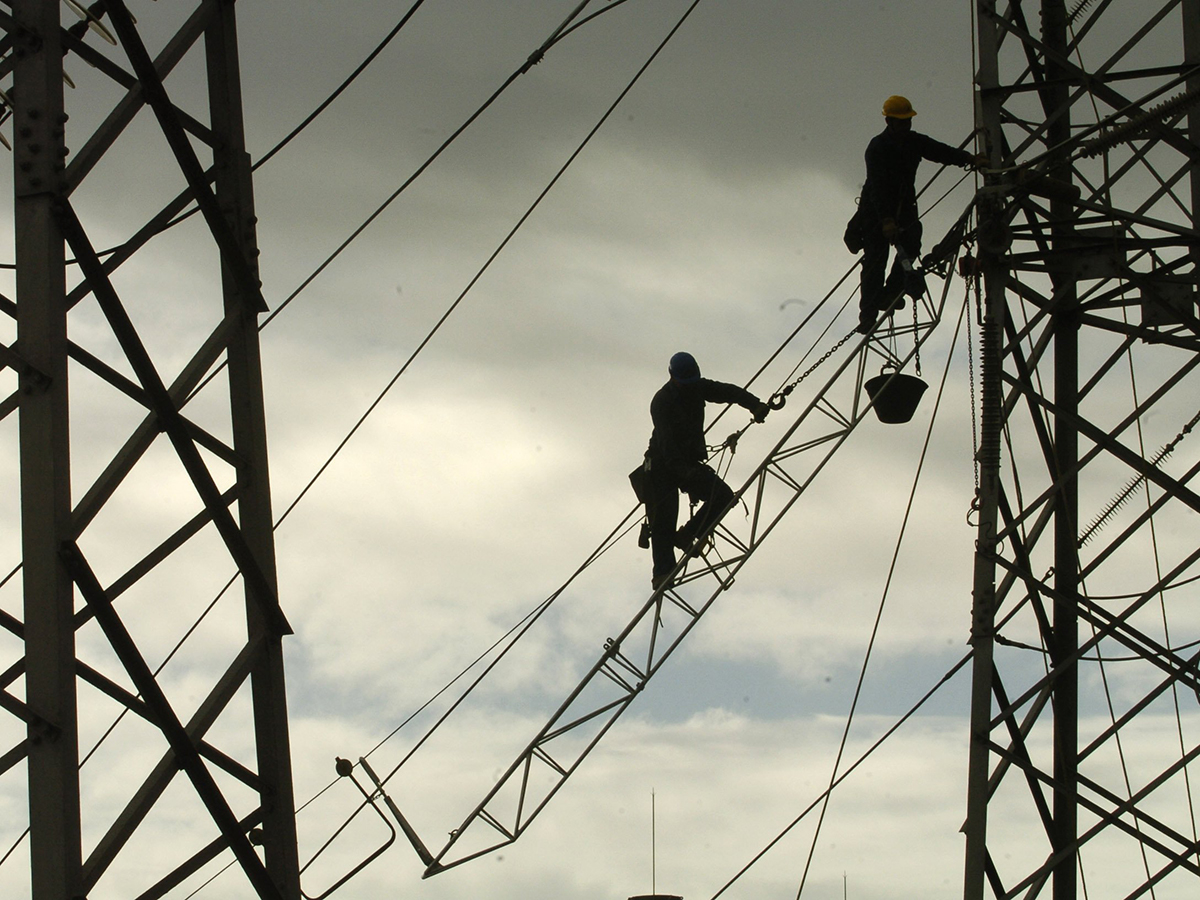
[[1086, 694], [142, 491]]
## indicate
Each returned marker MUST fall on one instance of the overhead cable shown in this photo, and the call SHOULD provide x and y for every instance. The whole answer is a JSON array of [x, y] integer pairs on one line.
[[836, 778], [341, 87], [420, 170], [963, 314], [487, 263]]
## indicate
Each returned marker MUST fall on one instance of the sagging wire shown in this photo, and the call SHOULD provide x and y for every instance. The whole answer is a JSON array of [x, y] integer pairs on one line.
[[558, 35], [1097, 658], [337, 92], [836, 779], [611, 540], [487, 263], [821, 798], [517, 631], [1158, 574], [533, 59], [529, 63], [964, 312], [508, 237]]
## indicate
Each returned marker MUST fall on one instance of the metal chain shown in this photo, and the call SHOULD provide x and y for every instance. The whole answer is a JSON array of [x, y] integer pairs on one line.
[[955, 237], [778, 399], [916, 343], [782, 394]]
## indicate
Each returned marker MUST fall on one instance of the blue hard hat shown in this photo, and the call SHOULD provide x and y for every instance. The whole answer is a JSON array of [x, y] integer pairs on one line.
[[684, 368]]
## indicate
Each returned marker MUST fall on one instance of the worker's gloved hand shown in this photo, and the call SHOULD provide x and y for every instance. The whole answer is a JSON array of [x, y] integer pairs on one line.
[[891, 231], [760, 411], [980, 161]]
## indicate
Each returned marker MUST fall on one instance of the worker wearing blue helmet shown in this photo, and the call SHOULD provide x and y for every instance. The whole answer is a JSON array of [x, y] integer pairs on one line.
[[675, 461]]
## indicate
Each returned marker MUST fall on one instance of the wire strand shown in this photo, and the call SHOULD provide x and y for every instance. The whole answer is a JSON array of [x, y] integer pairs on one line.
[[963, 311]]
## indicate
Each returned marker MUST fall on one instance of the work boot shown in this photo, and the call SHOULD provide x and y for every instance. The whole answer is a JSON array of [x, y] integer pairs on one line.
[[684, 536], [660, 581], [694, 548], [866, 321]]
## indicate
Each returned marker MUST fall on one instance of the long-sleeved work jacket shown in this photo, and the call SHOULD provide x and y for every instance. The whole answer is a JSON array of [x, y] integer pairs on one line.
[[677, 411], [892, 160]]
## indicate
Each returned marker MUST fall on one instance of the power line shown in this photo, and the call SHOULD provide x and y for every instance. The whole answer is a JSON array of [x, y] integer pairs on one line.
[[533, 59], [487, 263], [836, 778], [308, 120]]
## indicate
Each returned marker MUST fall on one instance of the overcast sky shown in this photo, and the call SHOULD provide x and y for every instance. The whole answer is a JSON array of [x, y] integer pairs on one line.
[[706, 215]]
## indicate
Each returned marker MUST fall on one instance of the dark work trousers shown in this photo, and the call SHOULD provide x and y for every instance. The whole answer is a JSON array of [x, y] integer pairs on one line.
[[702, 485], [876, 294]]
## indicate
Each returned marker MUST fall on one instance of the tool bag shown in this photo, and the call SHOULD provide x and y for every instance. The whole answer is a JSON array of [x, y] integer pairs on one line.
[[853, 237], [639, 480]]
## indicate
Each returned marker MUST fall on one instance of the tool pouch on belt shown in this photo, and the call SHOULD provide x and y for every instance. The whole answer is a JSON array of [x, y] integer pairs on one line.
[[639, 479], [853, 238]]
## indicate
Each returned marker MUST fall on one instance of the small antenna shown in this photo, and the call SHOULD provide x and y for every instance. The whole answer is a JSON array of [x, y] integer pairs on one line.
[[653, 847]]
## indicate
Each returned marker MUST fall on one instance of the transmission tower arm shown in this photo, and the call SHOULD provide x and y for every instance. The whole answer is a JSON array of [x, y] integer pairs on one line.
[[629, 660]]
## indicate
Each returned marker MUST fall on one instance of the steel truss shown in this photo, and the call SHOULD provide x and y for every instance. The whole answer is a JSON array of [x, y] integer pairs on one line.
[[94, 616], [1086, 693], [631, 658]]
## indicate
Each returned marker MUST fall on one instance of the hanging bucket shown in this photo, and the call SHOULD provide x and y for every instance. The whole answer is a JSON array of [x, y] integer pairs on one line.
[[896, 396]]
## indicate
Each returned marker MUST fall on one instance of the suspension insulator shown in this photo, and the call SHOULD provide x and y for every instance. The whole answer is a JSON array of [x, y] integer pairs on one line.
[[1139, 125]]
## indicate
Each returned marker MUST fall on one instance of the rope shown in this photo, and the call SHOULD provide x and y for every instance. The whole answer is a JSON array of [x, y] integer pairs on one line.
[[1097, 658], [837, 779], [912, 711], [883, 599]]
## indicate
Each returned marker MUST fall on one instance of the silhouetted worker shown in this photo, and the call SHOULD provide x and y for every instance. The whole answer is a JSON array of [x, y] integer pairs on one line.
[[675, 460], [887, 212]]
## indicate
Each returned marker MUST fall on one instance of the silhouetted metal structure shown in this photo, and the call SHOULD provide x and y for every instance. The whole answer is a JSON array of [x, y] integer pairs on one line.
[[1086, 684], [132, 481], [1086, 689]]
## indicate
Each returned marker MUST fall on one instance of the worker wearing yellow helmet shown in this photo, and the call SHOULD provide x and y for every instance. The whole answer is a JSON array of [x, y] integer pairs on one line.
[[887, 211]]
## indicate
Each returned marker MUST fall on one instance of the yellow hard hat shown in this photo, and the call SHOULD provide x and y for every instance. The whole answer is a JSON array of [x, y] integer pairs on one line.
[[897, 107]]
